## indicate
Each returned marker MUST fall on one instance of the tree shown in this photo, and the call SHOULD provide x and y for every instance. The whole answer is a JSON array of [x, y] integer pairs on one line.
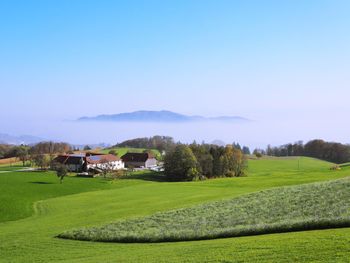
[[258, 153], [227, 161], [61, 171], [22, 154], [237, 146], [246, 150], [87, 148], [42, 161], [180, 164], [216, 152], [239, 163], [204, 158], [233, 162], [50, 149]]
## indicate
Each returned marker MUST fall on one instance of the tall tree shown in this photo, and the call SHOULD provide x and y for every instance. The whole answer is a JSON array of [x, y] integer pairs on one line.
[[246, 150], [22, 154], [180, 164]]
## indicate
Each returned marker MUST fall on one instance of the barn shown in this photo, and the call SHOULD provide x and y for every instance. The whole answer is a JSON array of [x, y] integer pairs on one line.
[[139, 160]]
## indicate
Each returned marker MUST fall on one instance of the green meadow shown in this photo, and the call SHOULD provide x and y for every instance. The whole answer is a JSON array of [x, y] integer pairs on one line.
[[283, 209], [14, 167], [35, 208]]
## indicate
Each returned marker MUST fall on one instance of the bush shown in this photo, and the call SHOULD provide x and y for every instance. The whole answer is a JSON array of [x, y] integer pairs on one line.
[[114, 152], [258, 155]]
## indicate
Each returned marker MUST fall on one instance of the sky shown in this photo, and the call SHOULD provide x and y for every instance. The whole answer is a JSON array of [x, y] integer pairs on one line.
[[283, 64]]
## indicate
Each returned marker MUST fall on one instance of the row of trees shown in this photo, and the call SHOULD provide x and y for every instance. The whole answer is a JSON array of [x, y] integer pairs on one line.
[[40, 154], [189, 162], [329, 151], [164, 143], [244, 149], [9, 151]]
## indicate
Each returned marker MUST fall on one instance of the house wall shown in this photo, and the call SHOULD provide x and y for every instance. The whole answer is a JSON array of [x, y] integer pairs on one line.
[[135, 164], [74, 167], [116, 165], [151, 162]]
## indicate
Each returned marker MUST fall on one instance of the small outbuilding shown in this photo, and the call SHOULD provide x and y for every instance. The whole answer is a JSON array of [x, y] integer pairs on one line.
[[139, 160]]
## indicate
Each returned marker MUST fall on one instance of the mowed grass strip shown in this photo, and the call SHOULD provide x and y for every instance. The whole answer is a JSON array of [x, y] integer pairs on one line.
[[303, 207]]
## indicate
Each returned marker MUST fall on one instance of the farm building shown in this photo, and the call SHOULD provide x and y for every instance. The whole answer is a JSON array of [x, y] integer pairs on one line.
[[83, 162], [139, 160]]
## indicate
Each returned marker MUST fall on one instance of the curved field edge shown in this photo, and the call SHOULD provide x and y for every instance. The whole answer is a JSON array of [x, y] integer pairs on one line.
[[296, 208], [20, 190]]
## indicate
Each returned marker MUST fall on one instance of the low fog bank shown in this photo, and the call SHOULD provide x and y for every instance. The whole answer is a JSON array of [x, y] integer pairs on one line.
[[257, 134]]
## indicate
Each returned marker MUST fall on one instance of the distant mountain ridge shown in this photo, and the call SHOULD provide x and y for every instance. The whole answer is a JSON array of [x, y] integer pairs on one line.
[[17, 140], [159, 116]]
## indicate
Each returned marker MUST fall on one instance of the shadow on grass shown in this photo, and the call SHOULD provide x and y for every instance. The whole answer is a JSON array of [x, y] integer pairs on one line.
[[40, 183], [147, 176], [35, 171]]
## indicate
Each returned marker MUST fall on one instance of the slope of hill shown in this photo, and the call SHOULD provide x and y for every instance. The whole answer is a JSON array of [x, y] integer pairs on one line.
[[32, 239], [159, 116], [295, 208]]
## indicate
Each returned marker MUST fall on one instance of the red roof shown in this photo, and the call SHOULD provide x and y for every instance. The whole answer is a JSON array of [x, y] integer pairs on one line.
[[68, 159], [91, 159]]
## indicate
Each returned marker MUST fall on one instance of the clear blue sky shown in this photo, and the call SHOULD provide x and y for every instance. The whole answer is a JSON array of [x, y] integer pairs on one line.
[[258, 59]]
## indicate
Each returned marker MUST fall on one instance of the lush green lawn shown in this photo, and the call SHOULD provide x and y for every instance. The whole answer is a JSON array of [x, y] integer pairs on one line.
[[283, 209], [19, 190], [11, 167], [32, 239]]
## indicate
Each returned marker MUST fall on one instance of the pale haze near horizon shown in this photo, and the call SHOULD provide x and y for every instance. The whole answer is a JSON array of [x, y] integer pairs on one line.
[[284, 65]]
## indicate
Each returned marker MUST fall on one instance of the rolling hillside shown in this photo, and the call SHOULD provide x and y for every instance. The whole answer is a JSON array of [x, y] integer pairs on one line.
[[91, 202], [284, 209]]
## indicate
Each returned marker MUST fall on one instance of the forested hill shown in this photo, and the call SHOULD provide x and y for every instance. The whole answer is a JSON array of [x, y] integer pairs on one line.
[[159, 116], [161, 143], [328, 151]]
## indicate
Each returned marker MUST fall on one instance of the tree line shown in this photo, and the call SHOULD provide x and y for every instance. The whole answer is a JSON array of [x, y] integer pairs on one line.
[[40, 154], [161, 143], [200, 161], [328, 151]]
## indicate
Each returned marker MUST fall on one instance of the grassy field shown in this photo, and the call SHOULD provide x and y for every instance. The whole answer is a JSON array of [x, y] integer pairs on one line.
[[83, 202], [123, 150], [19, 190], [283, 209], [14, 167]]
